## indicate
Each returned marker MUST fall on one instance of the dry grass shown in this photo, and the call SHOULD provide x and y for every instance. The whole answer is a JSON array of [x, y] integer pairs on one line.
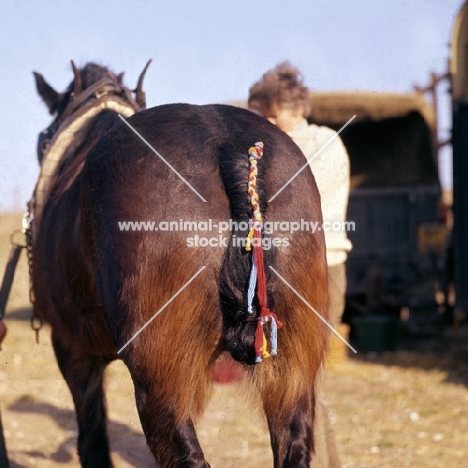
[[397, 410], [406, 408]]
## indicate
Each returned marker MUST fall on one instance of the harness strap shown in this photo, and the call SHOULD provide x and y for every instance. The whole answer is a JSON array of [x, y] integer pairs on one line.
[[106, 85], [3, 451], [62, 139], [8, 277]]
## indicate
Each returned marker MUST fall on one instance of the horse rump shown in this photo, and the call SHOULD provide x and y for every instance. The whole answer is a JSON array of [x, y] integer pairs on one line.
[[147, 275]]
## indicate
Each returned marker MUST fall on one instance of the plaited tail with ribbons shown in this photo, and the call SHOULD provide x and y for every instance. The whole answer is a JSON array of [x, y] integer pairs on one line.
[[257, 282]]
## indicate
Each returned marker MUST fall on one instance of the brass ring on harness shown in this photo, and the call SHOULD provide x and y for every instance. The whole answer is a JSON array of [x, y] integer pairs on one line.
[[36, 323], [18, 243]]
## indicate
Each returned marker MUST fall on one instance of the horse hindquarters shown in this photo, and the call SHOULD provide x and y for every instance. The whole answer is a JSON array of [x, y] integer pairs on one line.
[[139, 272]]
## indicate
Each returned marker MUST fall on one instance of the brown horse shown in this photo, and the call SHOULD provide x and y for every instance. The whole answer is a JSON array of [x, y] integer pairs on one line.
[[98, 284]]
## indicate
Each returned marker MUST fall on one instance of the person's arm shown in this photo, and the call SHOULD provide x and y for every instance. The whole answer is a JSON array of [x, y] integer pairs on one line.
[[334, 185], [337, 193]]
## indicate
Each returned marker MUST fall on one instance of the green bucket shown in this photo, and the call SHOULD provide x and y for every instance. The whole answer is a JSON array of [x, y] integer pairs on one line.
[[375, 333]]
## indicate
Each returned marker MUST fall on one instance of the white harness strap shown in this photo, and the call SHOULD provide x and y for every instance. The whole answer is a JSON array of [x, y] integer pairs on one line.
[[59, 145]]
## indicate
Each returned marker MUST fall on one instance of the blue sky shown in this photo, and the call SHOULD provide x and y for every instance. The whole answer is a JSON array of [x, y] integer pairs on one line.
[[208, 51]]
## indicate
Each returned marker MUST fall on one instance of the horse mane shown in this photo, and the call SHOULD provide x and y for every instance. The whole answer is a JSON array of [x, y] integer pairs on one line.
[[91, 73]]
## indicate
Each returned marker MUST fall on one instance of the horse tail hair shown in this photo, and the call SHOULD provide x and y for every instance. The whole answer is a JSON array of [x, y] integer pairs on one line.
[[239, 325]]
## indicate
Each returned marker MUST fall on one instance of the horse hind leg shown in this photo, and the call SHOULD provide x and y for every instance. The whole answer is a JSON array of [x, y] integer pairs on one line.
[[170, 367], [286, 384], [167, 417], [173, 443], [290, 425], [84, 376]]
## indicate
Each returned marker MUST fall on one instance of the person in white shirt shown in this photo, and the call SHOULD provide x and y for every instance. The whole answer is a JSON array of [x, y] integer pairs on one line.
[[281, 97]]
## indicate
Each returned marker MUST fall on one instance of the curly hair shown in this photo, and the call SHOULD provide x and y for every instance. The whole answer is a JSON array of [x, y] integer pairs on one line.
[[282, 86]]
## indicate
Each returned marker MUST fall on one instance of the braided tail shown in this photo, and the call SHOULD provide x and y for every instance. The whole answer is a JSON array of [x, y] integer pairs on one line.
[[243, 287], [257, 275]]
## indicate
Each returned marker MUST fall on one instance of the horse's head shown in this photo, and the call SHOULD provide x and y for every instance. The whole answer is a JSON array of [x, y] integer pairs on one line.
[[90, 83]]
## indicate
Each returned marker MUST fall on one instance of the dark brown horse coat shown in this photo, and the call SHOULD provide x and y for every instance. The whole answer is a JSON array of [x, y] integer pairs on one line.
[[98, 285]]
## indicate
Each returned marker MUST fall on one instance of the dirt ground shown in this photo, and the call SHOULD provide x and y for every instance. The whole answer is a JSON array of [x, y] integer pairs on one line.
[[401, 409]]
